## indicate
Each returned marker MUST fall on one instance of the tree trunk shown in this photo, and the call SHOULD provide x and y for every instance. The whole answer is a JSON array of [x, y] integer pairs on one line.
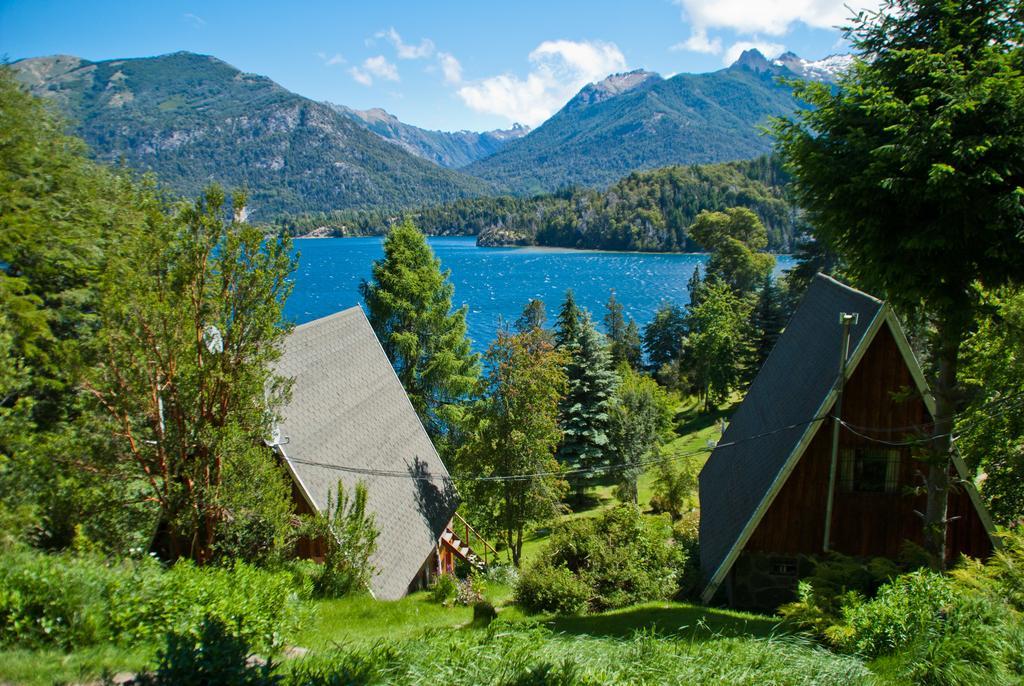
[[950, 333]]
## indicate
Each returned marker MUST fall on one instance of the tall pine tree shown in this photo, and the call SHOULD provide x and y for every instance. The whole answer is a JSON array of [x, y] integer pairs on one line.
[[768, 318], [585, 408], [410, 308], [567, 326]]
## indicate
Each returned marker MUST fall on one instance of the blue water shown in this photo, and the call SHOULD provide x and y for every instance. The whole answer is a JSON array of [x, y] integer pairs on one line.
[[495, 283]]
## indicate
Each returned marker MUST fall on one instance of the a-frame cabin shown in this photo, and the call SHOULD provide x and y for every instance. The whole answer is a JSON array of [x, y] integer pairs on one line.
[[764, 489]]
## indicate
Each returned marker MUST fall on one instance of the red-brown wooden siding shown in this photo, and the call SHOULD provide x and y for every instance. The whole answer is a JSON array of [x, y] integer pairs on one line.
[[865, 524]]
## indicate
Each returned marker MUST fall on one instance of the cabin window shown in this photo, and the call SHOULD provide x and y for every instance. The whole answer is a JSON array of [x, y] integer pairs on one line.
[[869, 470]]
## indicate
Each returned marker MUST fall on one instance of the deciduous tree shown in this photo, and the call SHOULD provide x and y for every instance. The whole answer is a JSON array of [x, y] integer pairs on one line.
[[513, 432], [911, 171]]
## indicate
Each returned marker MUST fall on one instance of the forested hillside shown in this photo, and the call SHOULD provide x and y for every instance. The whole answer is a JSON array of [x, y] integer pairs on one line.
[[193, 119], [639, 121], [643, 211]]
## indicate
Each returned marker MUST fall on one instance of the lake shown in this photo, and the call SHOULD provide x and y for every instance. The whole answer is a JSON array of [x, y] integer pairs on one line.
[[495, 283]]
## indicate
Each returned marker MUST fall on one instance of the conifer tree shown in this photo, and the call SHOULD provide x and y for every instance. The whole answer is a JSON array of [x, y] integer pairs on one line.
[[768, 318], [567, 327], [663, 336], [533, 317], [586, 405], [409, 300], [695, 287], [632, 347]]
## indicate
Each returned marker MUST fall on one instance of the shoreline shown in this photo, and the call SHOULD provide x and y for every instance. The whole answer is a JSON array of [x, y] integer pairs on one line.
[[524, 248]]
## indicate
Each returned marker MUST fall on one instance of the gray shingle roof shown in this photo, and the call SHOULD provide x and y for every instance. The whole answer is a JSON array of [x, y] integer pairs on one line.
[[790, 389], [349, 409]]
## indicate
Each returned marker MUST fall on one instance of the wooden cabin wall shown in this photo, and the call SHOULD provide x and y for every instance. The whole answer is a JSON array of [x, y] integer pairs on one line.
[[865, 524]]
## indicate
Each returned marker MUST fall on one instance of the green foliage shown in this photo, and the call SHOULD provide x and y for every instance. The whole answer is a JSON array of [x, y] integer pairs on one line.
[[674, 484], [837, 580], [513, 430], [585, 408], [619, 559], [623, 335], [647, 210], [686, 536], [444, 588], [533, 316], [663, 335], [991, 429], [75, 601], [191, 332], [409, 300], [544, 587], [735, 238], [190, 118], [484, 613], [717, 347], [215, 656], [507, 653], [639, 422], [567, 326], [349, 536], [62, 220], [923, 627], [910, 171], [767, 320]]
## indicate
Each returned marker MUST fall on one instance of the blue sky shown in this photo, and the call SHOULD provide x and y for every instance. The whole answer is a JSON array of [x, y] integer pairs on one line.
[[445, 65]]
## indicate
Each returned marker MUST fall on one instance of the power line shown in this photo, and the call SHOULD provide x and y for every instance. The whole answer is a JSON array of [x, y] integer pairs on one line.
[[611, 468]]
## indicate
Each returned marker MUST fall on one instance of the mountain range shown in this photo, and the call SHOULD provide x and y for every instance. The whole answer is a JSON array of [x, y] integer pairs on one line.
[[639, 121], [192, 119], [452, 149]]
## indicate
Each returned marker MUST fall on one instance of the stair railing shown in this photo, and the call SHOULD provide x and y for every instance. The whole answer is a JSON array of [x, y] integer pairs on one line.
[[468, 529]]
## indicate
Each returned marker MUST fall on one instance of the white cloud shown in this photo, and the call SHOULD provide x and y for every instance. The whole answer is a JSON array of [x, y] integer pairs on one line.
[[699, 42], [406, 51], [195, 19], [559, 69], [361, 76], [769, 50], [379, 66], [772, 18], [331, 60], [450, 67]]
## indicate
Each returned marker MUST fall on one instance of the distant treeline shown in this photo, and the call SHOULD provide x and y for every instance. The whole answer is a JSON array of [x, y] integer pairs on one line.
[[646, 211]]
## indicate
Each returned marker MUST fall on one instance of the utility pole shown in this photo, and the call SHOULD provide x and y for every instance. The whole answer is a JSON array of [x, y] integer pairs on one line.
[[846, 320]]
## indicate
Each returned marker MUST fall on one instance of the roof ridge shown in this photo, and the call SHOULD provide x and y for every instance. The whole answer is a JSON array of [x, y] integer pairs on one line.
[[832, 281], [331, 316]]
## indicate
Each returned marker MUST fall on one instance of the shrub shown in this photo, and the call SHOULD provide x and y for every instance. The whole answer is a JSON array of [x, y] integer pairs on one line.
[[837, 581], [685, 534], [443, 588], [503, 575], [619, 557], [77, 601], [217, 655], [673, 486], [484, 613], [546, 588], [350, 538]]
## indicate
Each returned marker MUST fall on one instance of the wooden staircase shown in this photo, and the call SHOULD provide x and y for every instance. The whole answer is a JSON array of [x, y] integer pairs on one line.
[[461, 545]]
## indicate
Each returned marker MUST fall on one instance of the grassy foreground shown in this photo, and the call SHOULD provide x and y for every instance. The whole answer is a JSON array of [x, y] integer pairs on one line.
[[416, 641]]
